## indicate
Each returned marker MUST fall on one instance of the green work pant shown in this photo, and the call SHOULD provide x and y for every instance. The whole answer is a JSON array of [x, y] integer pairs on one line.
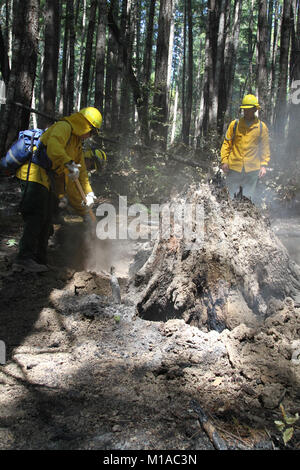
[[246, 181], [36, 209]]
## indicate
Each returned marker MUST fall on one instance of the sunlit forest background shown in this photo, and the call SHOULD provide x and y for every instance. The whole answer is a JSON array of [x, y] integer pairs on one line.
[[161, 72]]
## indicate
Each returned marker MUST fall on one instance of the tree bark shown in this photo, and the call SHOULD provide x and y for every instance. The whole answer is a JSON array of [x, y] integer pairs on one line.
[[211, 51], [22, 76], [204, 100], [273, 61], [4, 61], [225, 17], [199, 103], [63, 103], [88, 54], [183, 79], [262, 76], [218, 62], [50, 68], [147, 61], [187, 94], [148, 46], [82, 27], [71, 67], [161, 95], [281, 102], [190, 83], [111, 70], [127, 35], [251, 48], [230, 56], [132, 80], [100, 55], [175, 106]]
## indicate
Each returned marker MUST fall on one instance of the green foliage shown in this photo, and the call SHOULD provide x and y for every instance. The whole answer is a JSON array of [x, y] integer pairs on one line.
[[285, 426], [11, 242]]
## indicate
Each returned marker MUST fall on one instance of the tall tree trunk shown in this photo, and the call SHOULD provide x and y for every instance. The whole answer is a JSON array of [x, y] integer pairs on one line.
[[251, 48], [100, 55], [22, 76], [88, 54], [160, 100], [147, 61], [82, 27], [221, 89], [281, 103], [213, 25], [39, 86], [138, 45], [4, 61], [271, 6], [107, 117], [71, 68], [8, 28], [189, 96], [172, 138], [204, 101], [111, 69], [127, 42], [63, 78], [50, 68], [273, 60], [199, 87], [183, 73], [218, 61], [132, 80], [231, 55], [263, 39], [34, 116]]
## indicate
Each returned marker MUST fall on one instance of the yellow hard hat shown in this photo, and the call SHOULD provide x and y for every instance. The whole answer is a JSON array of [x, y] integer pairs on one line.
[[93, 116], [249, 101], [98, 156]]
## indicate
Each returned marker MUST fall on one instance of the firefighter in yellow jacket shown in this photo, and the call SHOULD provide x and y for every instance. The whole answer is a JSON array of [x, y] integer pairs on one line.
[[62, 143], [67, 192], [245, 152]]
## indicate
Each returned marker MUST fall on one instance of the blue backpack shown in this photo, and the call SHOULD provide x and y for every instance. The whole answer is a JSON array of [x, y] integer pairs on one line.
[[27, 148]]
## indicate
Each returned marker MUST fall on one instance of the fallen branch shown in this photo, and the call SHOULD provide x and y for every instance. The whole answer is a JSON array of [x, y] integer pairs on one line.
[[32, 110], [208, 427]]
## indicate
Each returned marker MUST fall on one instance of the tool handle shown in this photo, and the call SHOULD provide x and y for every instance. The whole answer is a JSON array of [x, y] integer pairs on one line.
[[79, 187]]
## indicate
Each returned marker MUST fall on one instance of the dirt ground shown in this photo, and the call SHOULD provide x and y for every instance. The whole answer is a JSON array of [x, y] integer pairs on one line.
[[82, 372]]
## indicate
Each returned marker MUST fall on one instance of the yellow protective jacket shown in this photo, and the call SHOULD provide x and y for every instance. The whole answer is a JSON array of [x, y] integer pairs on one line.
[[64, 186], [248, 148], [63, 144]]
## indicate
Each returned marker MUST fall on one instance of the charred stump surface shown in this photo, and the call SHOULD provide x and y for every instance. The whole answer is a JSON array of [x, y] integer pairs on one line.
[[239, 273]]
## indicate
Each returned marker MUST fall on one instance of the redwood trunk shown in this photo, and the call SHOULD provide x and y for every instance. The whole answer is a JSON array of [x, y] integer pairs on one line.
[[160, 100], [50, 67], [22, 76]]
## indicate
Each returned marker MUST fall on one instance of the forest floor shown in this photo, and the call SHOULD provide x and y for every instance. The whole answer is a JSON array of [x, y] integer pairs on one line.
[[82, 372]]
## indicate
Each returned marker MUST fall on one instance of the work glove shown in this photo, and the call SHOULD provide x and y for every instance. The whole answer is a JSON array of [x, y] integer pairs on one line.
[[90, 199], [74, 170], [63, 202]]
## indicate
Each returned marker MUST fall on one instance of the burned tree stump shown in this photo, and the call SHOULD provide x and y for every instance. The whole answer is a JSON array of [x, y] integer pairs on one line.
[[241, 273]]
